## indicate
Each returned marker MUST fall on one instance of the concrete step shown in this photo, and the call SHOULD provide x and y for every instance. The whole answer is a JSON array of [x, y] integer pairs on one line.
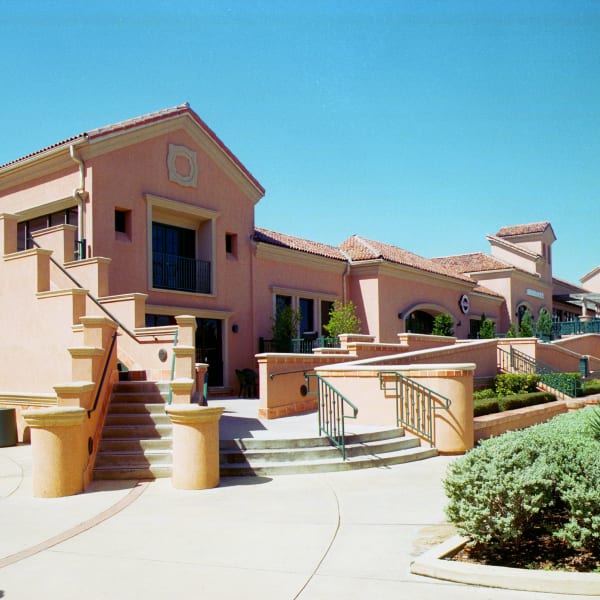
[[130, 408], [327, 466], [140, 459], [310, 442], [139, 432], [136, 419], [317, 453], [246, 457], [144, 397], [150, 472], [135, 445]]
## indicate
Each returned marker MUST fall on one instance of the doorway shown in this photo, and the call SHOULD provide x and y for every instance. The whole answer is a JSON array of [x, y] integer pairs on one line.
[[209, 348]]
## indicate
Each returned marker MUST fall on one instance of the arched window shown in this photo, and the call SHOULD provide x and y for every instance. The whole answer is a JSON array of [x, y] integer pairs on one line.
[[419, 321]]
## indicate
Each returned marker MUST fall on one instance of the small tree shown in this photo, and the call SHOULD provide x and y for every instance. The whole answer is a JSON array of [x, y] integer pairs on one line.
[[487, 329], [342, 319], [512, 331], [442, 325], [285, 328], [526, 325], [544, 324]]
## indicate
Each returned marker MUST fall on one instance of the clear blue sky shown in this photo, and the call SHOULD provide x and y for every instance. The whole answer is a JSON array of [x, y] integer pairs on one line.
[[425, 124]]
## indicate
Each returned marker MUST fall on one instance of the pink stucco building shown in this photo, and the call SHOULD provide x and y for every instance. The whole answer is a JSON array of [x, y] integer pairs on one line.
[[153, 217]]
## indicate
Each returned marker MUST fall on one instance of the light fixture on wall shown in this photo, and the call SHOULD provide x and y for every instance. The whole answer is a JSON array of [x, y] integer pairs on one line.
[[399, 315], [235, 328]]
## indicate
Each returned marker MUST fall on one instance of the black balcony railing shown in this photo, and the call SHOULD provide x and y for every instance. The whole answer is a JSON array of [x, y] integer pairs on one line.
[[171, 272]]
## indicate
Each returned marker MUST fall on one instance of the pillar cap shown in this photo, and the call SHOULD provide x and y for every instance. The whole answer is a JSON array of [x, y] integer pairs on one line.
[[187, 414], [60, 416]]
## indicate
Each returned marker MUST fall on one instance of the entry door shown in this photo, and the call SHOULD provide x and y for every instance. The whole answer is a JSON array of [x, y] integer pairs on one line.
[[209, 348]]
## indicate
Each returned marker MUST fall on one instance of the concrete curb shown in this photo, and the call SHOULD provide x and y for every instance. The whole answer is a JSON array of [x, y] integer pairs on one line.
[[434, 564]]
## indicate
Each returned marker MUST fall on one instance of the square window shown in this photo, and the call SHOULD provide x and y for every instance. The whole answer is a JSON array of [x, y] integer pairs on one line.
[[231, 244], [121, 221], [122, 224]]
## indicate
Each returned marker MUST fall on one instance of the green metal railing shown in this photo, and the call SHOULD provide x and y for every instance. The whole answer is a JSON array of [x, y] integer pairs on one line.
[[415, 403], [577, 327], [306, 346], [170, 398], [332, 407], [297, 345], [516, 361]]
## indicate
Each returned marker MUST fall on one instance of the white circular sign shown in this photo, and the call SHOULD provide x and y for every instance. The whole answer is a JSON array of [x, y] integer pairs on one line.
[[464, 304]]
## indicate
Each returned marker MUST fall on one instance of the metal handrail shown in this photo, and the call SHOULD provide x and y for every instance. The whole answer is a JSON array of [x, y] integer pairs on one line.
[[562, 382], [331, 404], [273, 375], [170, 398], [414, 404], [89, 295], [103, 377]]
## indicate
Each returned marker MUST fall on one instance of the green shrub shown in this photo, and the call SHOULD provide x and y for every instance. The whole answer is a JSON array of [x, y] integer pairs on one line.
[[590, 387], [497, 490], [522, 400], [526, 324], [485, 406], [515, 383], [442, 325], [487, 329], [483, 394], [544, 324], [342, 319], [518, 483]]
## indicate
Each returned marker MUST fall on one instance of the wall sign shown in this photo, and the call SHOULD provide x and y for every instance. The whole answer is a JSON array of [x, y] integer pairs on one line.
[[534, 293], [465, 304]]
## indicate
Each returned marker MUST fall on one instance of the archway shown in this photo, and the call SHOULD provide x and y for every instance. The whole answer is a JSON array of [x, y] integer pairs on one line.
[[419, 321]]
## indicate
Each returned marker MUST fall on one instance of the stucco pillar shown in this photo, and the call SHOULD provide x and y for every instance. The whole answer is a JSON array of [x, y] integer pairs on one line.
[[187, 330], [58, 450], [454, 428], [195, 446], [8, 233]]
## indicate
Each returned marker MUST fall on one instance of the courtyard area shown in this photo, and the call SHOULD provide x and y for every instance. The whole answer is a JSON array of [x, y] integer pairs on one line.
[[350, 534]]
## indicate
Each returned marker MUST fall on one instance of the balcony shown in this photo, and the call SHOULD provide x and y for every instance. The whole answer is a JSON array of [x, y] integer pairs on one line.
[[297, 345], [171, 272]]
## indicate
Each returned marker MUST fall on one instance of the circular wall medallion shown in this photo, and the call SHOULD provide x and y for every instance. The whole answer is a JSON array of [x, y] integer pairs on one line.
[[183, 165], [464, 303]]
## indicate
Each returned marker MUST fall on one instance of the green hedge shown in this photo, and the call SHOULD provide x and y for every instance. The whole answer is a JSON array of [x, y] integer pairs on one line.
[[522, 400], [590, 387], [486, 406], [513, 485]]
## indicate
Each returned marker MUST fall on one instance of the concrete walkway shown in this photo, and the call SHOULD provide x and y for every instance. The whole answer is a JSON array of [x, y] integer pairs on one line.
[[350, 535]]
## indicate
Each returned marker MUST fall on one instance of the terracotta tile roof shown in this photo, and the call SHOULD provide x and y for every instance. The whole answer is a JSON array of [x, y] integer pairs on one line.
[[360, 249], [523, 229], [148, 119], [294, 243], [472, 263]]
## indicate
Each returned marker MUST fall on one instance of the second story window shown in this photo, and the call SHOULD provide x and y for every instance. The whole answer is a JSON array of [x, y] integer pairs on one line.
[[174, 263]]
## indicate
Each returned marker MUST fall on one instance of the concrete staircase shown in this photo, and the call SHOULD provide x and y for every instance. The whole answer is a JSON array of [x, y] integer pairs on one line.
[[137, 435], [137, 444], [247, 457]]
